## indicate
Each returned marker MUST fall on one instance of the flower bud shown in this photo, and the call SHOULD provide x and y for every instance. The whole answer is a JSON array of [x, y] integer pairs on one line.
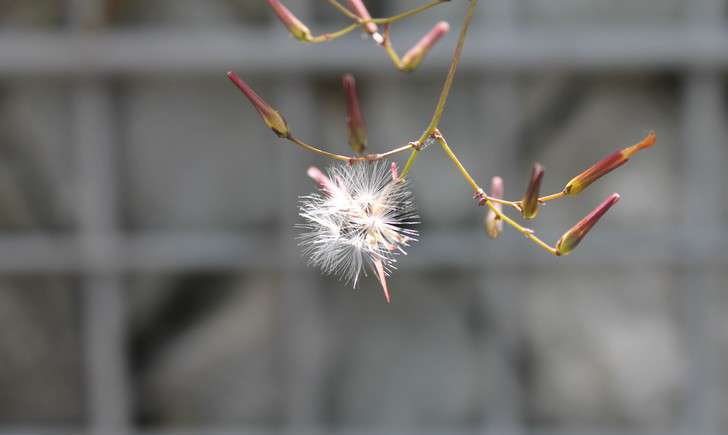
[[529, 203], [363, 13], [571, 238], [272, 118], [493, 223], [413, 58], [354, 118], [606, 165], [322, 180], [294, 25]]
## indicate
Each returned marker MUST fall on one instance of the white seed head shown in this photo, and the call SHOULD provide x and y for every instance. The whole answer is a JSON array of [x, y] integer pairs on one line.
[[361, 217]]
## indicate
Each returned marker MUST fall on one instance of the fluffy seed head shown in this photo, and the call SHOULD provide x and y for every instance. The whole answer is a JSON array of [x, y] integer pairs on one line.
[[360, 218]]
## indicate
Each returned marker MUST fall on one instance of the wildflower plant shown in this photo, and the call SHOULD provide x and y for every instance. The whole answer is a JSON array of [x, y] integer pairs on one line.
[[363, 215]]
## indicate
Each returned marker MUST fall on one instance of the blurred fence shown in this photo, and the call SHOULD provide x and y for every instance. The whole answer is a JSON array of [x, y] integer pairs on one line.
[[679, 231]]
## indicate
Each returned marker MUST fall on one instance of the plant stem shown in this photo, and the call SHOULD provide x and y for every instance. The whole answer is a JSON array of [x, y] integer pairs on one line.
[[552, 197], [451, 73], [326, 37], [488, 200], [315, 150], [344, 10], [448, 84], [387, 44], [406, 14], [349, 159]]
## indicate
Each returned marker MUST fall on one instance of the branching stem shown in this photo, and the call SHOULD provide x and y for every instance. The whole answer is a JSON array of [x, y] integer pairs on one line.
[[529, 233]]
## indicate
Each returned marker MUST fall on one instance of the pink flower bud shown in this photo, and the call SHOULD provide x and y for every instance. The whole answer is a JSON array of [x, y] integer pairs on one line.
[[413, 58], [571, 238], [529, 203], [272, 118], [322, 180], [606, 165], [493, 223], [394, 171], [294, 25], [363, 13], [354, 118]]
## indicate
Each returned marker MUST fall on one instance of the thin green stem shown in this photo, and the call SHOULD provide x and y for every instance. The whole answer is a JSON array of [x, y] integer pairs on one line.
[[315, 150], [451, 73], [387, 44], [406, 14], [326, 37], [552, 197], [448, 84], [409, 163], [344, 10], [443, 143], [350, 159], [393, 152], [514, 204], [387, 20], [489, 201]]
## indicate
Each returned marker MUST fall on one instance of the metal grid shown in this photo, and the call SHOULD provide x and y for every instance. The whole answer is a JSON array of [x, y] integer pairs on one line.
[[101, 254]]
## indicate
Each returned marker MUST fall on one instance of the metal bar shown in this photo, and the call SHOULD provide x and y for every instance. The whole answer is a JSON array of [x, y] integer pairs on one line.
[[161, 52], [301, 353], [340, 431], [103, 319], [500, 299], [703, 117], [103, 316], [462, 250], [498, 96]]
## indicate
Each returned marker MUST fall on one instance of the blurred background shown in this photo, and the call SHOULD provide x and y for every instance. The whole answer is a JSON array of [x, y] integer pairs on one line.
[[150, 280]]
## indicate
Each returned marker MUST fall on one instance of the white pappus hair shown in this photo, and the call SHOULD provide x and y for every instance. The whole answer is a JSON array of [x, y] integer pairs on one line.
[[363, 216]]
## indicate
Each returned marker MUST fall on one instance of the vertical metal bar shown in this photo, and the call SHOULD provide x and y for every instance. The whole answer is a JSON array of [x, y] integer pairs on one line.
[[500, 293], [106, 380], [103, 316], [301, 347], [703, 117]]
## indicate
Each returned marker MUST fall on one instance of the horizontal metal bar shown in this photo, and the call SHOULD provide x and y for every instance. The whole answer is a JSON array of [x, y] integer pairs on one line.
[[249, 50], [171, 251], [342, 431]]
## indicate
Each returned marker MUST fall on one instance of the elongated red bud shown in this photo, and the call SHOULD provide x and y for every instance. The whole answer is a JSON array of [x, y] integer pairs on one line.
[[363, 13], [606, 165], [529, 203], [414, 57], [294, 25], [493, 223], [272, 118], [575, 235], [354, 118]]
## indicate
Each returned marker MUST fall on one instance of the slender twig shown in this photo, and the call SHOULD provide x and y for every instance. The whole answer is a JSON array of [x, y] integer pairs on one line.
[[451, 72], [387, 20], [349, 159], [447, 86], [358, 22], [407, 14], [529, 233], [548, 198], [315, 150], [387, 44], [326, 37], [344, 10]]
